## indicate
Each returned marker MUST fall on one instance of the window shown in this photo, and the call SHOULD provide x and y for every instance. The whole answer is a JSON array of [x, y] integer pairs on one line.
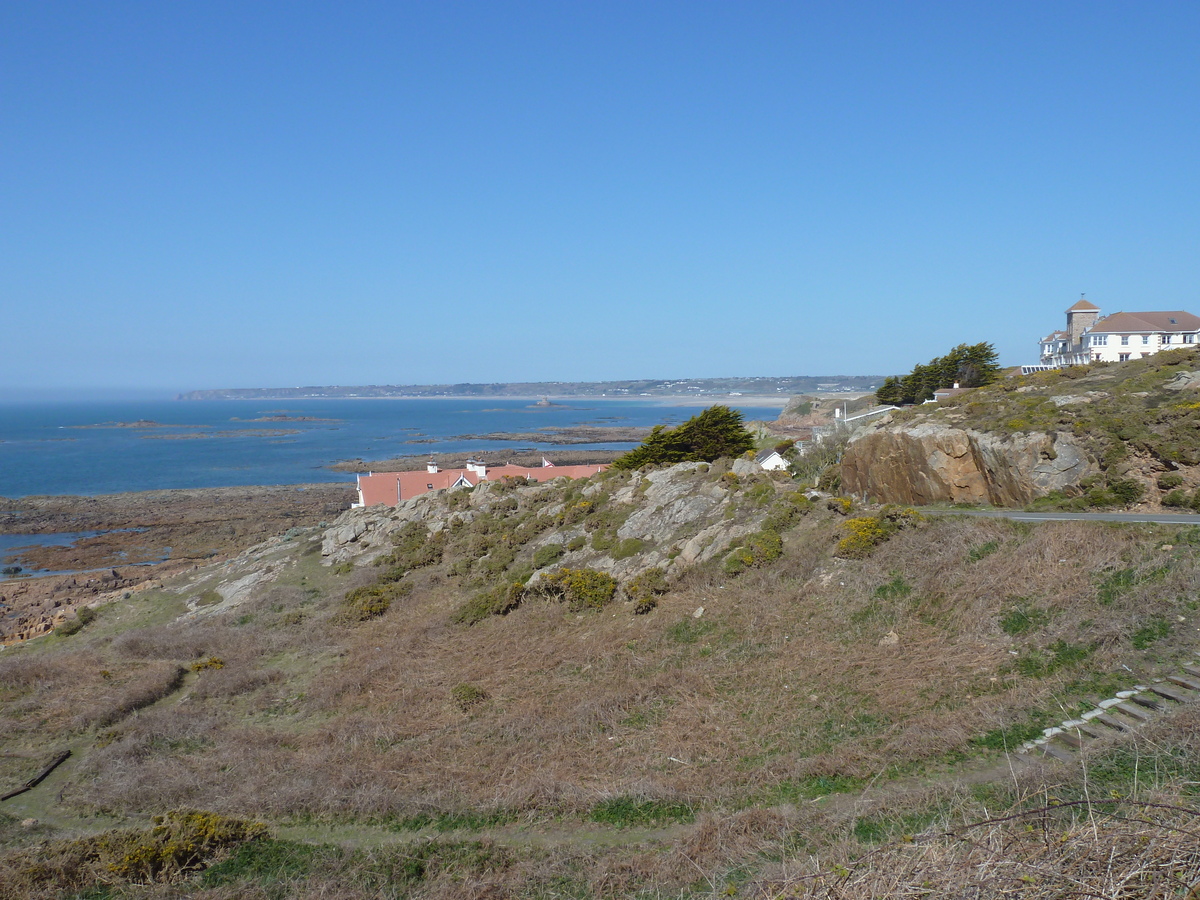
[[1189, 339], [1166, 339], [1122, 357], [1099, 340], [1124, 340], [1145, 338], [1096, 357]]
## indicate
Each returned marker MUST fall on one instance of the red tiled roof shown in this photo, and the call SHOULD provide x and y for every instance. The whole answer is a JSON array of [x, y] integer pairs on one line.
[[1082, 305], [1146, 322], [392, 487]]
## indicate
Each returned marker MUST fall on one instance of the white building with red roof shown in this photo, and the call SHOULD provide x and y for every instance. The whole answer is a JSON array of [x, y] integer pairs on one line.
[[392, 488], [1117, 337]]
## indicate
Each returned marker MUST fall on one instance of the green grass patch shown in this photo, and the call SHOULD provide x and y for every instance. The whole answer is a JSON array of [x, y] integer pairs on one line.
[[793, 790], [689, 630], [896, 589], [270, 861], [1023, 618], [452, 821], [982, 551], [878, 829], [1008, 737], [632, 812], [1155, 629], [1059, 655]]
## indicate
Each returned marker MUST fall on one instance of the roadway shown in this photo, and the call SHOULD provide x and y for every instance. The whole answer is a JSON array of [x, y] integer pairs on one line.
[[1022, 516]]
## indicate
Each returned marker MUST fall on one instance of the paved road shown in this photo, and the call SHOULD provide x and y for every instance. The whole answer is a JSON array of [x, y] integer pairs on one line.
[[1021, 516]]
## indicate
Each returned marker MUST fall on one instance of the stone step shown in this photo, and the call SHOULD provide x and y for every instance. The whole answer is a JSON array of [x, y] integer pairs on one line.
[[1190, 683], [1091, 731], [1131, 710], [1149, 702], [1106, 719], [1062, 754], [1073, 741], [1171, 694], [1193, 669]]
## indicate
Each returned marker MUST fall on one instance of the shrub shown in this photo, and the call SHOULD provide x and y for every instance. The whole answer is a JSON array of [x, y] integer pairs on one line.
[[627, 548], [499, 601], [1177, 498], [757, 550], [580, 588], [180, 842], [413, 548], [865, 533], [576, 543], [1126, 490], [547, 555], [1169, 481], [373, 600], [644, 590], [83, 616], [840, 505]]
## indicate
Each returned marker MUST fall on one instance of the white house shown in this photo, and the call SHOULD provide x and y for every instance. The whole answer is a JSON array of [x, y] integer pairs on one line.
[[1116, 338], [771, 460]]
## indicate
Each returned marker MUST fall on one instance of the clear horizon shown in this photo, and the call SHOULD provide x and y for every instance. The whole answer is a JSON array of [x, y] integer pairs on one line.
[[238, 195]]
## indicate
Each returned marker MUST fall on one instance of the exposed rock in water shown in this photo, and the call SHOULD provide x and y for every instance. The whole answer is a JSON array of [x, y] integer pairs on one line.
[[930, 463]]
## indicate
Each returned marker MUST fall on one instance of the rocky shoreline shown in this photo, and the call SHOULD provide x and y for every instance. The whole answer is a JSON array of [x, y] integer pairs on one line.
[[141, 537]]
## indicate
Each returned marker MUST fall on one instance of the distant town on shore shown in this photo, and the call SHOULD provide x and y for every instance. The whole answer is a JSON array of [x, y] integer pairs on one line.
[[701, 387]]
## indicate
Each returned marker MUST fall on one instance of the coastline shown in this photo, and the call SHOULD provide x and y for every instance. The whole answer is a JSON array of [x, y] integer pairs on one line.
[[132, 540], [756, 400]]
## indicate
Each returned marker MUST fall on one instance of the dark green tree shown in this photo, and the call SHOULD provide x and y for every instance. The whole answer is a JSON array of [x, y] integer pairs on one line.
[[715, 433], [968, 365]]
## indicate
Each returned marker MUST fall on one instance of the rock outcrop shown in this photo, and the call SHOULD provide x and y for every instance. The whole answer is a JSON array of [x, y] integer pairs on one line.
[[931, 463], [679, 516]]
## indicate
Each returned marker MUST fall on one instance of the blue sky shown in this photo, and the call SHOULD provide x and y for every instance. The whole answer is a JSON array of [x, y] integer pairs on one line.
[[233, 194]]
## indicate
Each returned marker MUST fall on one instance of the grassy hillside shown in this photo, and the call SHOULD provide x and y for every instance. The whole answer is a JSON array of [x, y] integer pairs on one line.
[[429, 719], [1140, 421]]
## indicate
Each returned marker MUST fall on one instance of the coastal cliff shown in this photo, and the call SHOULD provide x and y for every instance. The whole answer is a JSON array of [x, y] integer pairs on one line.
[[933, 463]]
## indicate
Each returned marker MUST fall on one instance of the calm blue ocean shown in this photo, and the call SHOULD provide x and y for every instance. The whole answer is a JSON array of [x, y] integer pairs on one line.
[[77, 448]]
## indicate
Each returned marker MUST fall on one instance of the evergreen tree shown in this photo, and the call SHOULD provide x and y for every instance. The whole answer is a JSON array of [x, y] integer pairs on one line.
[[968, 365], [715, 433]]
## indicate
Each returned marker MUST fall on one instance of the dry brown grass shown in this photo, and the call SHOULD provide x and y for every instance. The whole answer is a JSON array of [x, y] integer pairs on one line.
[[782, 678], [1139, 852], [780, 688]]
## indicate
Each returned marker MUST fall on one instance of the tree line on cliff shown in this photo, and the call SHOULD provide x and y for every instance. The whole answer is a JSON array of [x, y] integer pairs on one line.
[[967, 365]]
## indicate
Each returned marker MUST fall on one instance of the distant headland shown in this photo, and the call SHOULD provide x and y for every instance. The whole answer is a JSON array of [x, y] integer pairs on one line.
[[714, 389]]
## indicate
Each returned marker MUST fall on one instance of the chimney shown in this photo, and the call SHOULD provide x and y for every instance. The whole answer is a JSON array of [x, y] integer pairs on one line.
[[431, 467]]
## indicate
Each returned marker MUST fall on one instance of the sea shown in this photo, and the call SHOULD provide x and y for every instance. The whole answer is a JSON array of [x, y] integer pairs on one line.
[[94, 447]]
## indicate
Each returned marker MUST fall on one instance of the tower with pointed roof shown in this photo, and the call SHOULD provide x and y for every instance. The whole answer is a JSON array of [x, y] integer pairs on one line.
[[1080, 317]]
